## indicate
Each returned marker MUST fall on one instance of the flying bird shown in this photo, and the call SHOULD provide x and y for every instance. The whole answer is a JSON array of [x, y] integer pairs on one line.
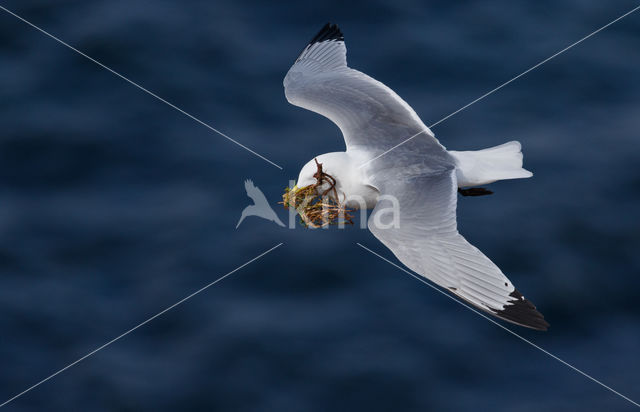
[[260, 206], [393, 157]]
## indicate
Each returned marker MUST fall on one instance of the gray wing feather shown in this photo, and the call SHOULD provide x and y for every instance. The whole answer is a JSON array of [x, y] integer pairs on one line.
[[427, 241], [371, 116]]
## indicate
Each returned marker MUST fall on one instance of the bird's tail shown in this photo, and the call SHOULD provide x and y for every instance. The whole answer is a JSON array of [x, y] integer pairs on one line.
[[480, 167]]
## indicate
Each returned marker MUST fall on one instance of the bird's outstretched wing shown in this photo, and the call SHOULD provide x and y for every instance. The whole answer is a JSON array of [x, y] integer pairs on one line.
[[370, 115], [427, 241], [254, 193]]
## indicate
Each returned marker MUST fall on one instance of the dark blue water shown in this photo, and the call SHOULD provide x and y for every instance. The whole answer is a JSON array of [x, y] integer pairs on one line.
[[114, 206]]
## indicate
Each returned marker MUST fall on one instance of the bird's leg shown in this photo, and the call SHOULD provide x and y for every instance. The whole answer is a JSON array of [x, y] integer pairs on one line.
[[474, 191]]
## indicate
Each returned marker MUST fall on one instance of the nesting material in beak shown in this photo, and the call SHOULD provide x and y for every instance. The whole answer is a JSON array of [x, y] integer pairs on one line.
[[317, 210]]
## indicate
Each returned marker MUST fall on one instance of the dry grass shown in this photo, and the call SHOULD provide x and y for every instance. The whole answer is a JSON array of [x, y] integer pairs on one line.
[[316, 210]]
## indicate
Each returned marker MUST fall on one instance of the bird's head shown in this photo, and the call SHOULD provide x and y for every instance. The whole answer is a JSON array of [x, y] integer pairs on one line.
[[317, 194]]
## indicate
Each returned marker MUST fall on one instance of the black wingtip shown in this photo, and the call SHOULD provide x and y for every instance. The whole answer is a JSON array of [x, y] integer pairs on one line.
[[523, 313], [475, 191], [328, 32]]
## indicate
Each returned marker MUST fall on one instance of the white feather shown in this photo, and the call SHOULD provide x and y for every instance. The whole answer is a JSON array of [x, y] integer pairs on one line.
[[481, 167]]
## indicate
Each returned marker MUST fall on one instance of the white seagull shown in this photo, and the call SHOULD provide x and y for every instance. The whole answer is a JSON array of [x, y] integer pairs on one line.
[[421, 175]]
